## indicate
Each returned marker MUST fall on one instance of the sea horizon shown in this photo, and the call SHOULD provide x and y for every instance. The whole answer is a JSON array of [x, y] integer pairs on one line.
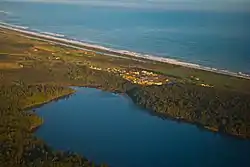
[[179, 43]]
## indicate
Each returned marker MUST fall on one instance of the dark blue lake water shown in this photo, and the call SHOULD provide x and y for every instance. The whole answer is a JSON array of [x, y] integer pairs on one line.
[[216, 39], [109, 128]]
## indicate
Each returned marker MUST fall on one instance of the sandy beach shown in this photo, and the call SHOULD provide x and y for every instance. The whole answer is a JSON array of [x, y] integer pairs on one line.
[[62, 40]]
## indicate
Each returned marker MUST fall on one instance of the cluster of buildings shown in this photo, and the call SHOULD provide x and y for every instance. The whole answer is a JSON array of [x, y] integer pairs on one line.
[[202, 84], [141, 77], [95, 68], [206, 85], [144, 77], [195, 78]]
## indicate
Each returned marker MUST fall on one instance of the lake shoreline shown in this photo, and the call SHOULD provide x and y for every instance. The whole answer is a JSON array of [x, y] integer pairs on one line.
[[163, 116], [40, 104], [88, 104], [166, 116]]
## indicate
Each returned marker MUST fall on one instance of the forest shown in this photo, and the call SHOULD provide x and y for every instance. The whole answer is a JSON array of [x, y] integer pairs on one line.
[[17, 144], [33, 73], [214, 109]]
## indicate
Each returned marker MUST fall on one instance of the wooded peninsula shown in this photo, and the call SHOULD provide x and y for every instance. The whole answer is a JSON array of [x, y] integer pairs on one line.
[[34, 72]]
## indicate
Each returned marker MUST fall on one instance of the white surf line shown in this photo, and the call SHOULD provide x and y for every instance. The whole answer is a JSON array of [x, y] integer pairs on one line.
[[80, 48], [71, 43], [71, 46], [4, 12]]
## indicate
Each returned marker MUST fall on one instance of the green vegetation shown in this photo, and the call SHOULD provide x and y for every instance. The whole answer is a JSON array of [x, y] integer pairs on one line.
[[215, 109], [18, 146], [33, 72]]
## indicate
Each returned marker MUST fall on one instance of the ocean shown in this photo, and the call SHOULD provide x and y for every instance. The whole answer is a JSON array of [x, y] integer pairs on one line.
[[215, 39]]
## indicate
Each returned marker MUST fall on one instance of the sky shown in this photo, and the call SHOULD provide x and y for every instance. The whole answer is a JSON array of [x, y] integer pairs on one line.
[[218, 5]]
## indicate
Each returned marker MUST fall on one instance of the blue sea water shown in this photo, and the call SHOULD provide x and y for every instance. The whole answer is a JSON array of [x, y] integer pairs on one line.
[[215, 39], [109, 128]]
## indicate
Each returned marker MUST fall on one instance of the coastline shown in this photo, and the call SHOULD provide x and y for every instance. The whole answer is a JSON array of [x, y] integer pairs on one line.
[[53, 71], [62, 40]]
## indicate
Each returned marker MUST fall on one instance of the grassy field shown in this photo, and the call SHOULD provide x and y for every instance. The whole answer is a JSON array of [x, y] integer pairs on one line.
[[33, 72]]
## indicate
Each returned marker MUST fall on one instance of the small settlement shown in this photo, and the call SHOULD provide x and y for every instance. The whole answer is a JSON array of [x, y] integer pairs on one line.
[[137, 76], [144, 77]]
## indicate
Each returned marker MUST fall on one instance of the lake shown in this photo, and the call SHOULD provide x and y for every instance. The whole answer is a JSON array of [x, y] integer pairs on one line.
[[109, 128]]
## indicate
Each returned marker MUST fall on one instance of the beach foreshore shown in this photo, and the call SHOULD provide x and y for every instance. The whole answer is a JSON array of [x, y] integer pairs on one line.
[[76, 44]]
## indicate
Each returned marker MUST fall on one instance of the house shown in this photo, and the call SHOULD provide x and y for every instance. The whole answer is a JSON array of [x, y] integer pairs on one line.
[[158, 83]]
